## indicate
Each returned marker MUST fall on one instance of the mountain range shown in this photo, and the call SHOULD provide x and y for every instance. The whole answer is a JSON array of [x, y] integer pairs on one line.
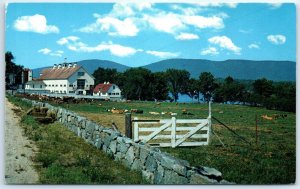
[[238, 69]]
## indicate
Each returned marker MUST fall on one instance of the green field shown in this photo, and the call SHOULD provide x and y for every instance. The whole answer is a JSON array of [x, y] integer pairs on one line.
[[272, 160]]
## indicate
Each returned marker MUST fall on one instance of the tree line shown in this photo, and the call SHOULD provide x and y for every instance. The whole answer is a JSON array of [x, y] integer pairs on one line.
[[142, 84], [12, 70]]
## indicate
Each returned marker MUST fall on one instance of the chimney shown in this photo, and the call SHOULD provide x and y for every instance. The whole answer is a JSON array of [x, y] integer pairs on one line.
[[59, 66], [74, 65], [107, 82], [104, 82], [54, 66], [29, 75], [70, 65]]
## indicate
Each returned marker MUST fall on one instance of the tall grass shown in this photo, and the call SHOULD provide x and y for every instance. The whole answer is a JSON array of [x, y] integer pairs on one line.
[[63, 158]]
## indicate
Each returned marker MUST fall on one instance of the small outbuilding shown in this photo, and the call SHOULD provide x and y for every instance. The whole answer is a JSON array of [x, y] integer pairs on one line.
[[107, 90]]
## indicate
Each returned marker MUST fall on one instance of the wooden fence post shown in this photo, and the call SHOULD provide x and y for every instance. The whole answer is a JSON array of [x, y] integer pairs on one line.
[[173, 132], [128, 126], [136, 130], [209, 123], [256, 130]]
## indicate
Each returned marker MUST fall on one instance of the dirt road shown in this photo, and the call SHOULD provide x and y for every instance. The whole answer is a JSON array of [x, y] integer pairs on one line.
[[18, 150]]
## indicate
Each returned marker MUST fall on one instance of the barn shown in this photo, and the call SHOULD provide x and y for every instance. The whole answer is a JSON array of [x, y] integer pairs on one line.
[[66, 78], [107, 90]]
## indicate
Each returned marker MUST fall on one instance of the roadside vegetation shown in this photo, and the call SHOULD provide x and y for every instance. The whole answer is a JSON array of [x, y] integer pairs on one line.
[[63, 158]]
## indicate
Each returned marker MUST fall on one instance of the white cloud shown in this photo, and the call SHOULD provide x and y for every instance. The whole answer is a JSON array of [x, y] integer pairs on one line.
[[47, 51], [186, 10], [245, 31], [126, 9], [44, 51], [209, 51], [113, 26], [36, 23], [204, 22], [187, 36], [275, 5], [276, 39], [216, 4], [66, 40], [57, 53], [165, 22], [253, 46], [73, 43], [225, 43], [128, 19], [162, 54]]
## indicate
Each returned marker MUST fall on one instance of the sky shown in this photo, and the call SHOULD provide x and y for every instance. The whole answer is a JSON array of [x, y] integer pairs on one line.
[[136, 34]]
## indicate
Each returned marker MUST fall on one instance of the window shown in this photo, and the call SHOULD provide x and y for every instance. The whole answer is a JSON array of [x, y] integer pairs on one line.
[[114, 94], [52, 85], [80, 83], [41, 86], [109, 93], [80, 73], [87, 85], [65, 92], [45, 85], [61, 85], [117, 93], [114, 87], [60, 91], [70, 85], [56, 85], [33, 86], [64, 85], [71, 91]]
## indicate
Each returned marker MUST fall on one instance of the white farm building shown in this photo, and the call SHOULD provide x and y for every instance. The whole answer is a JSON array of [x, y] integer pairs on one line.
[[107, 90], [66, 78]]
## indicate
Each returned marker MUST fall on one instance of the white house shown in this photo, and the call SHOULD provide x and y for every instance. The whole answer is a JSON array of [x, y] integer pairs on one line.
[[107, 90], [66, 78]]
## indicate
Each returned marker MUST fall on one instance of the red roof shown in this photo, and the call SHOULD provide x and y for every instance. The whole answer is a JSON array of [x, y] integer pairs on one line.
[[103, 88]]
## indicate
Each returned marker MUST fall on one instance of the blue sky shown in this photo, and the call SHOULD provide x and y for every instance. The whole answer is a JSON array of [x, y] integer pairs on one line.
[[136, 34]]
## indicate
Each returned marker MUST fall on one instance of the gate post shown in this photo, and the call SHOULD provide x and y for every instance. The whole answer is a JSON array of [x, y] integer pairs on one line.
[[173, 132], [209, 124], [136, 130], [128, 126]]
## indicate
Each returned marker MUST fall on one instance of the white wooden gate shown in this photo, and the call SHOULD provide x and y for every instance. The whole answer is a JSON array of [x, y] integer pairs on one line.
[[173, 132]]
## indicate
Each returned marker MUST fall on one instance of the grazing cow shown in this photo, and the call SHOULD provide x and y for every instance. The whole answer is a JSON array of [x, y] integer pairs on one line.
[[136, 111], [154, 113], [172, 113], [266, 117], [116, 111]]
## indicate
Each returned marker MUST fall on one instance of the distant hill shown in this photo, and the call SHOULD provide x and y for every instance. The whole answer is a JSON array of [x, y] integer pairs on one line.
[[90, 65], [238, 69]]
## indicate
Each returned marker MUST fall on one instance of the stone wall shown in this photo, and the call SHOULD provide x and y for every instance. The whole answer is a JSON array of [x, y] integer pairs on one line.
[[156, 167]]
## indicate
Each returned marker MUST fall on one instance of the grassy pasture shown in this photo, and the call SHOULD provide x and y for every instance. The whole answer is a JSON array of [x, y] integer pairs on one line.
[[271, 161]]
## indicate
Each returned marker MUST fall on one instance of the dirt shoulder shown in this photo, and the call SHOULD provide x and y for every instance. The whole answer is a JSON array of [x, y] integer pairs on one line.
[[18, 150]]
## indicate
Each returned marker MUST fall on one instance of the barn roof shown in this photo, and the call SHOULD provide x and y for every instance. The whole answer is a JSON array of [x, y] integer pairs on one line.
[[102, 87], [59, 73]]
